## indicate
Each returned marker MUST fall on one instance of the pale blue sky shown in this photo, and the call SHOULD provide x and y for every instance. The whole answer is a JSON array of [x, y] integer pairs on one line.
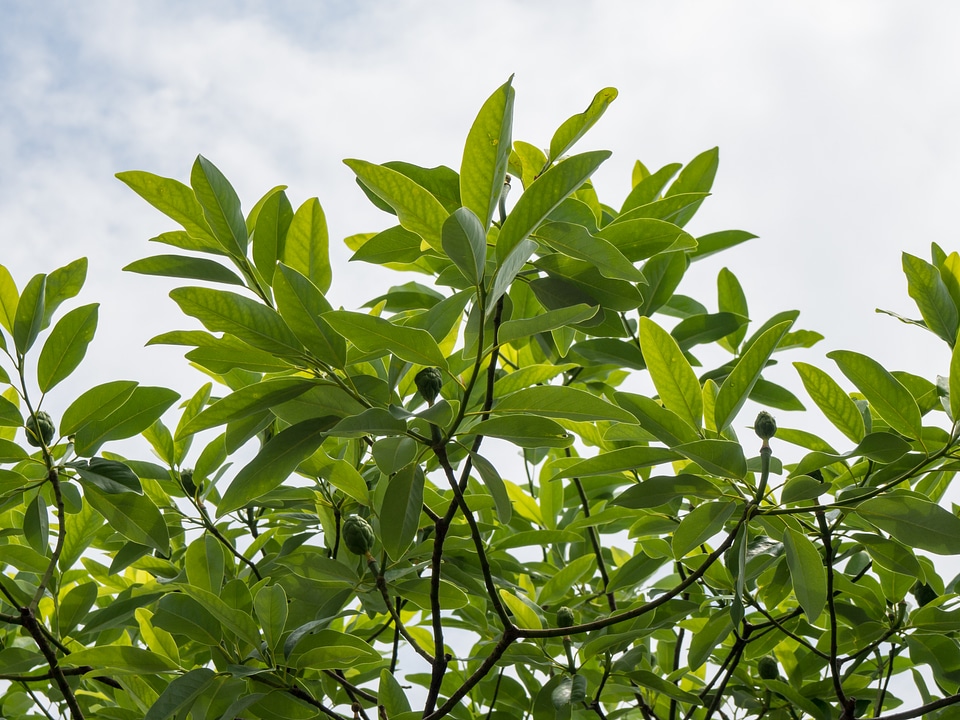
[[836, 124]]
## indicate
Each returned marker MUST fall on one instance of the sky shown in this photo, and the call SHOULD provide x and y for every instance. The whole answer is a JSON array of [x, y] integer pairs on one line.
[[835, 122]]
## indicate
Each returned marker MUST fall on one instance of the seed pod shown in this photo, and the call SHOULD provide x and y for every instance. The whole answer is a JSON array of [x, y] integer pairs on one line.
[[768, 668], [765, 426], [429, 381], [566, 618], [40, 429], [357, 535]]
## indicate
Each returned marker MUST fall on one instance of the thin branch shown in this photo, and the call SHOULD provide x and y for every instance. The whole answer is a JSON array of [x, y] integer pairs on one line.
[[923, 709], [846, 703], [595, 542]]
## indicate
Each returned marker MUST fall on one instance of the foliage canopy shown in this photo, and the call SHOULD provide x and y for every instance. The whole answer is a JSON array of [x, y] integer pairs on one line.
[[381, 557]]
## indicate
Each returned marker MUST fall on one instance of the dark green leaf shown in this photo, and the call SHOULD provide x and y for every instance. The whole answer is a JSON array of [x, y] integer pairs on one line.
[[110, 476], [701, 524], [180, 694], [181, 266], [806, 572], [138, 411], [133, 516], [530, 431], [914, 522], [400, 513]]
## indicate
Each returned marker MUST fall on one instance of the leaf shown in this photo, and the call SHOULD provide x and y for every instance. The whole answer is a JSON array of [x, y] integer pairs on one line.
[[140, 410], [720, 457], [62, 284], [836, 405], [914, 522], [181, 266], [371, 333], [663, 273], [120, 659], [9, 297], [954, 384], [806, 572], [523, 615], [222, 311], [495, 486], [928, 290], [75, 606], [530, 431], [247, 401], [9, 414], [464, 241], [665, 425], [393, 245], [738, 384], [270, 604], [560, 401], [701, 524], [36, 525], [561, 583], [109, 476], [730, 298], [306, 248], [486, 153], [696, 176], [889, 554], [400, 513], [575, 241], [543, 196], [221, 206], [133, 516], [239, 622], [391, 696], [715, 242], [180, 694], [614, 461], [274, 463], [892, 401], [674, 379], [95, 404], [659, 491], [29, 316], [176, 201], [709, 638], [66, 346], [270, 233], [706, 328], [417, 209], [507, 271], [203, 563], [544, 322], [576, 127]]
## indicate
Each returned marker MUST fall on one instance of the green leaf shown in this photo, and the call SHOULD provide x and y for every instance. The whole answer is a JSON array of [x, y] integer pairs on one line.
[[524, 616], [176, 201], [486, 153], [247, 401], [9, 297], [143, 406], [66, 346], [62, 284], [559, 401], [576, 127], [239, 622], [393, 245], [807, 573], [701, 524], [495, 486], [270, 604], [663, 273], [642, 238], [954, 384], [576, 241], [464, 241], [561, 583], [928, 290], [631, 458], [274, 463], [716, 242], [674, 379], [300, 304], [36, 525], [659, 491], [543, 196], [270, 233], [371, 333], [836, 405], [892, 401], [9, 414], [417, 209], [709, 638], [400, 512], [731, 299], [914, 522], [133, 516], [697, 176], [29, 316], [222, 311], [531, 431], [109, 476], [120, 659], [665, 425], [507, 271], [180, 694], [889, 554], [75, 606], [720, 457], [203, 563], [738, 384], [391, 696], [648, 188], [706, 328], [544, 322], [95, 404], [221, 206], [181, 266], [306, 249]]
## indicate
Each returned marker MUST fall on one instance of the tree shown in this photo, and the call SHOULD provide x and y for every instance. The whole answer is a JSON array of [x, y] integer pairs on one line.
[[379, 557]]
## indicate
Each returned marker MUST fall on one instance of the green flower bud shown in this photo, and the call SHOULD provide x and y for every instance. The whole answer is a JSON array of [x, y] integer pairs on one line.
[[765, 426], [566, 618], [40, 429], [768, 668], [429, 381], [357, 535], [186, 482]]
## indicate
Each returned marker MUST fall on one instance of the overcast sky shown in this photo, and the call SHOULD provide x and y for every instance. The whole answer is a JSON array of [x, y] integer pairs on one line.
[[836, 123]]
